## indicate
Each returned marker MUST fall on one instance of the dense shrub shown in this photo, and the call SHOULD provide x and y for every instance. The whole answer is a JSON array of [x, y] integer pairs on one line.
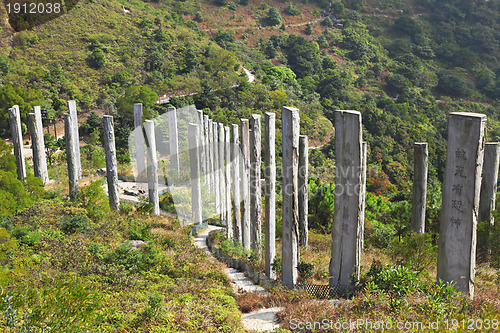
[[73, 224]]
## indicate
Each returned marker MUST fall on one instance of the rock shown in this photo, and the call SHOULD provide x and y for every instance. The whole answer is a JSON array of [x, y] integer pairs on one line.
[[132, 193], [136, 244]]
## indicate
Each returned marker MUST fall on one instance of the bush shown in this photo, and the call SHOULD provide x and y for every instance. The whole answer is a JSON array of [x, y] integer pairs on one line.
[[292, 9], [414, 251], [397, 280], [139, 231], [273, 17], [327, 22], [73, 224], [305, 271], [97, 59], [133, 260]]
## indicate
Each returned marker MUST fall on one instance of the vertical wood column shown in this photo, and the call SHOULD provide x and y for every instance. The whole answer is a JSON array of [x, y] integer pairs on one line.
[[290, 132], [139, 142], [460, 205], [173, 138], [222, 175], [245, 183], [194, 161], [227, 174], [149, 128], [38, 144], [215, 132], [236, 183], [17, 141], [420, 165], [303, 190], [255, 186], [111, 164], [76, 135], [71, 156], [348, 201], [207, 149], [489, 182], [270, 191], [201, 146]]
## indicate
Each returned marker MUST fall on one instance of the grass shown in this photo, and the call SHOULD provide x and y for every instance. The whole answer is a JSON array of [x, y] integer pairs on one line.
[[56, 278]]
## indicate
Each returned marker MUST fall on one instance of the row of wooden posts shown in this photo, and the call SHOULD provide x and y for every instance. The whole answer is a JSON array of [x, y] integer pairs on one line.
[[232, 169]]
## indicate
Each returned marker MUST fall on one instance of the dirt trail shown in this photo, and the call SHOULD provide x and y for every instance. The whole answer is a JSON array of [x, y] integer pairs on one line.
[[262, 320]]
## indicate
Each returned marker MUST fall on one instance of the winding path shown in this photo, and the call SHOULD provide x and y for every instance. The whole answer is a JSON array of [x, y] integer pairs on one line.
[[262, 320]]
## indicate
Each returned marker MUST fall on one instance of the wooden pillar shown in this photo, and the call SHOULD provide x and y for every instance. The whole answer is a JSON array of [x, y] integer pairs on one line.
[[227, 174], [38, 144], [173, 138], [290, 132], [111, 164], [255, 186], [207, 149], [140, 155], [270, 192], [17, 141], [460, 205], [222, 175], [215, 132], [420, 165], [303, 190], [348, 202], [236, 183], [194, 161], [71, 155], [76, 137], [245, 183], [489, 182], [149, 128]]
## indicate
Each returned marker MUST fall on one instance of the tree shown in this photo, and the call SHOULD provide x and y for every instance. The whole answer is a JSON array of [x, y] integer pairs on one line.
[[135, 94], [453, 84], [292, 9], [309, 28], [97, 59], [406, 25], [273, 17], [338, 7]]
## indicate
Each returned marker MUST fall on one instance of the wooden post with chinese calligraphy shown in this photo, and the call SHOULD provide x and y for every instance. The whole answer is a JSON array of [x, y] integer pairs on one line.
[[489, 182], [290, 138], [348, 202], [38, 145], [111, 163], [194, 163], [420, 163], [222, 175], [270, 191], [461, 186], [227, 174], [303, 190], [215, 145], [245, 183], [255, 187], [173, 138], [361, 230], [201, 146], [210, 142], [205, 140], [236, 184], [76, 136], [139, 143], [71, 158], [149, 128], [17, 141]]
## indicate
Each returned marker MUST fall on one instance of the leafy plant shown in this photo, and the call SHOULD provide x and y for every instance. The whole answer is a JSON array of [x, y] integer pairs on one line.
[[73, 224]]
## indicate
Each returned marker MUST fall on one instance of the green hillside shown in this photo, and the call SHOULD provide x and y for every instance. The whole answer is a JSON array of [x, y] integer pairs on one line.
[[405, 65]]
